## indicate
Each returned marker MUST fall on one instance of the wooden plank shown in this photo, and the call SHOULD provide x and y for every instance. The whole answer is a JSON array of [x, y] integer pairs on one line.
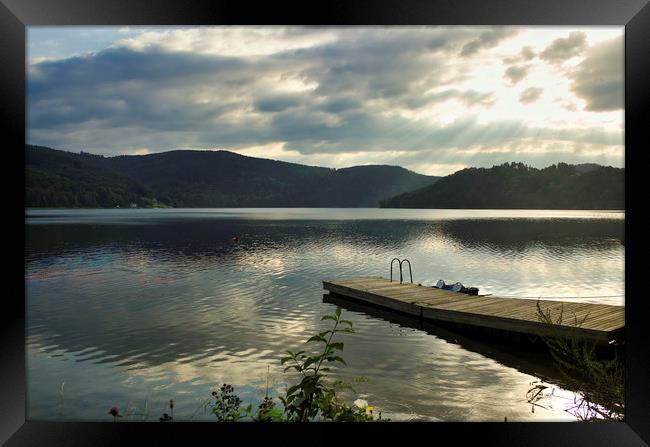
[[571, 313], [476, 305], [412, 295], [521, 326], [506, 324], [509, 314], [375, 299], [524, 310], [605, 321], [579, 310]]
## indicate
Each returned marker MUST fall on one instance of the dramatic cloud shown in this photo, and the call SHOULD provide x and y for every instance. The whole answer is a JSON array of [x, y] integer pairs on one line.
[[527, 53], [599, 78], [566, 48], [516, 73], [530, 95], [472, 98], [428, 98], [277, 103], [469, 97], [487, 39], [524, 55]]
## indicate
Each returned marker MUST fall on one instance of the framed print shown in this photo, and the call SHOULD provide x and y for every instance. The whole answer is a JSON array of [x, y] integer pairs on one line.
[[404, 216]]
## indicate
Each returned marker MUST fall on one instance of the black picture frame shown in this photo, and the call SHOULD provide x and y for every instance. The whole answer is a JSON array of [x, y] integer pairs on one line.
[[15, 15]]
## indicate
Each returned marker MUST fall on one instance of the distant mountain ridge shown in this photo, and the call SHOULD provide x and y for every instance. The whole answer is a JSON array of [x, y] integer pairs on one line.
[[62, 179], [188, 178], [517, 186]]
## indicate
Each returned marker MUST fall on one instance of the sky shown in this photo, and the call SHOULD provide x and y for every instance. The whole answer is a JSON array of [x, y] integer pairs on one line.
[[433, 99]]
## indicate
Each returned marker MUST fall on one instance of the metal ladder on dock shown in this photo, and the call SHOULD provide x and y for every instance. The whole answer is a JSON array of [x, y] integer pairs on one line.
[[400, 262]]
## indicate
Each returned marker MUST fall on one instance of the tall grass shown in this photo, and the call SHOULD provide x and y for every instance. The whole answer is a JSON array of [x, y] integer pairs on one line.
[[598, 382]]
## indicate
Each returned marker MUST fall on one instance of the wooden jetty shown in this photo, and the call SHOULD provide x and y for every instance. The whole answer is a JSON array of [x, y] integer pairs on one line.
[[602, 323]]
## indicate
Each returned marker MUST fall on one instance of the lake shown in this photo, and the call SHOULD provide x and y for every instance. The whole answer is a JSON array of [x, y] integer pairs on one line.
[[133, 307]]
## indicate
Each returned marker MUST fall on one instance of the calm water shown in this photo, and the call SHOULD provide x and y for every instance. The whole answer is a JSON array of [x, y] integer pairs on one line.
[[136, 307]]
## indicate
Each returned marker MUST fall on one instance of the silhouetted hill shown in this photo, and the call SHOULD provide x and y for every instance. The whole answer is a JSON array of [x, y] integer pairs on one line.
[[62, 179], [185, 178], [587, 167], [370, 184], [225, 179], [515, 185]]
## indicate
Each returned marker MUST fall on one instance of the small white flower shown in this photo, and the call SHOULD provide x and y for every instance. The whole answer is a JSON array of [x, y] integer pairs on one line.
[[361, 403]]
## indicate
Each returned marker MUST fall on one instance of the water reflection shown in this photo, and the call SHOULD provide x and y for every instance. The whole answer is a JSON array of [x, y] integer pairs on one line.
[[174, 306], [526, 354]]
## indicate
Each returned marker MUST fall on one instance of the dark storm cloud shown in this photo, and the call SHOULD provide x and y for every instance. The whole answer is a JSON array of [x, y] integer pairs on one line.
[[599, 78], [565, 48], [531, 94]]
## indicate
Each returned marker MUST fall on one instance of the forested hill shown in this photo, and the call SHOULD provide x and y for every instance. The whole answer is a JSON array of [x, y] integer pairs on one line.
[[62, 179], [517, 186], [225, 179], [185, 178]]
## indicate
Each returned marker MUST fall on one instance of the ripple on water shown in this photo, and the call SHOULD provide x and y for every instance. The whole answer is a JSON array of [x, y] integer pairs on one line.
[[175, 309]]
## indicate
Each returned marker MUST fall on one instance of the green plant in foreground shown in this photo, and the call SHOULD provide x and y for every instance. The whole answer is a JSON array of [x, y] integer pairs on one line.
[[227, 406], [599, 383], [267, 411], [312, 396]]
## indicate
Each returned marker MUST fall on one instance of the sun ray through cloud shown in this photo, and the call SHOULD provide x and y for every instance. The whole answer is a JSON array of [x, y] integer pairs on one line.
[[399, 95]]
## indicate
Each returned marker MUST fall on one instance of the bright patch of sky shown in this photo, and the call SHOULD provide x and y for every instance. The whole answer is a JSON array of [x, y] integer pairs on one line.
[[431, 99]]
